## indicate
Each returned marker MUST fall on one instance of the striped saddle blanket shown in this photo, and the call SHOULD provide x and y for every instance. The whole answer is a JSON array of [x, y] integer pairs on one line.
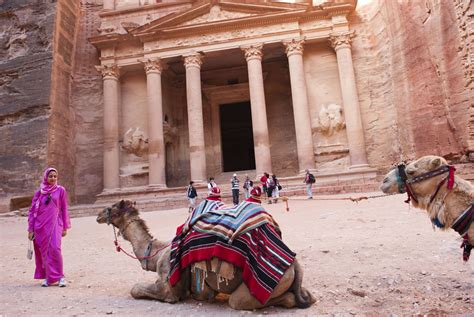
[[253, 246], [228, 223]]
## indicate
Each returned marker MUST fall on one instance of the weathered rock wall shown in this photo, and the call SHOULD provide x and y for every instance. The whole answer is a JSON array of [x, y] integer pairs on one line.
[[26, 54], [61, 149], [410, 61], [86, 101]]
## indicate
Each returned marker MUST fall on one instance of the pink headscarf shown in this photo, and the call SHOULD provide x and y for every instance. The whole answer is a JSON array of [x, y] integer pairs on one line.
[[47, 188]]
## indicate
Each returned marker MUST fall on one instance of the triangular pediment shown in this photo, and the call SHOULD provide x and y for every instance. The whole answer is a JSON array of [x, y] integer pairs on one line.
[[216, 13], [212, 11]]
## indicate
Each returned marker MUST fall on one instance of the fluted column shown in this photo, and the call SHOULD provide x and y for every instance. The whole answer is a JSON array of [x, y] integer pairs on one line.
[[304, 139], [263, 160], [156, 143], [355, 132], [110, 75], [195, 118]]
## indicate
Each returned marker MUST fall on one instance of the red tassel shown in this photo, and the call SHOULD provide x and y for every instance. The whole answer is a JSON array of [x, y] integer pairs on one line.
[[451, 177]]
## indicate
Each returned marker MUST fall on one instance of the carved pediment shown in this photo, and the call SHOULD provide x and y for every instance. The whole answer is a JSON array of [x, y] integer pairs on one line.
[[214, 11]]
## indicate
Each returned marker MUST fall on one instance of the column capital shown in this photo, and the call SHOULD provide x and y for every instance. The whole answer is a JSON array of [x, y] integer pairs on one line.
[[294, 46], [193, 60], [111, 71], [341, 40], [253, 51], [153, 65]]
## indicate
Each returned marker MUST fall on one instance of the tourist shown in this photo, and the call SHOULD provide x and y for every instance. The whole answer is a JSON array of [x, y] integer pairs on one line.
[[270, 188], [192, 194], [255, 195], [48, 222], [263, 181], [248, 184], [276, 189], [309, 180], [211, 184], [234, 182]]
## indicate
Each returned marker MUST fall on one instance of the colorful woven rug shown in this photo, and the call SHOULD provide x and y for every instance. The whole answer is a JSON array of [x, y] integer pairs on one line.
[[257, 249]]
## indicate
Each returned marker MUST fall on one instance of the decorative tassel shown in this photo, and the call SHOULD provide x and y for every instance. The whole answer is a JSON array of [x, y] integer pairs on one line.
[[451, 177]]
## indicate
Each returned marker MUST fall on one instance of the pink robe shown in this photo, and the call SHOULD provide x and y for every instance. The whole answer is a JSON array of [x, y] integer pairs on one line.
[[48, 222]]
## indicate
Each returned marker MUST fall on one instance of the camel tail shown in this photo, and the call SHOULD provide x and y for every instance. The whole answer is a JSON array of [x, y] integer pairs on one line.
[[303, 297]]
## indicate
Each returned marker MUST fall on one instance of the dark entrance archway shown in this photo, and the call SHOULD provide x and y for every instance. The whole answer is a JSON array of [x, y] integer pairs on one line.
[[237, 137]]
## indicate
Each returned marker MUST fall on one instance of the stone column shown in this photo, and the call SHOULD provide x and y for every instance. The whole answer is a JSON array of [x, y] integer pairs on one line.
[[156, 143], [261, 140], [350, 98], [109, 5], [197, 149], [110, 75], [304, 135]]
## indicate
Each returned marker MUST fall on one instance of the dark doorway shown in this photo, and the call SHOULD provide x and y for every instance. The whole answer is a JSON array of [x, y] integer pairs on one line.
[[237, 137]]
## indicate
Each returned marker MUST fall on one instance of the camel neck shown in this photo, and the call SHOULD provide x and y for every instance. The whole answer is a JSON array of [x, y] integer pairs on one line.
[[137, 234]]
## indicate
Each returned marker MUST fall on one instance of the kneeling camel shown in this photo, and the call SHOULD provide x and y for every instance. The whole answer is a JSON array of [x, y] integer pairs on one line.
[[124, 216]]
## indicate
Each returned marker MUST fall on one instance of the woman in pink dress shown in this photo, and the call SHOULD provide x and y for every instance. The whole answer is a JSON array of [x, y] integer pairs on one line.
[[48, 221]]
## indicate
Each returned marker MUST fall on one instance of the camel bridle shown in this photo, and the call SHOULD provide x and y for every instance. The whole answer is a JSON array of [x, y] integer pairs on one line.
[[404, 183], [462, 224], [118, 248]]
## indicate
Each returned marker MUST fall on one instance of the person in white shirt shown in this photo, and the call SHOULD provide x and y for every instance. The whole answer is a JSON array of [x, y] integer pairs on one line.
[[211, 184]]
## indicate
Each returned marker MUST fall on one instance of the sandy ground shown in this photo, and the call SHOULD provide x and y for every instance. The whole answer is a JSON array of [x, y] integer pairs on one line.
[[375, 257]]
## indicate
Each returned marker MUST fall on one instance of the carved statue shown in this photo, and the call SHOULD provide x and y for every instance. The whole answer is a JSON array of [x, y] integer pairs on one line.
[[134, 141], [330, 119]]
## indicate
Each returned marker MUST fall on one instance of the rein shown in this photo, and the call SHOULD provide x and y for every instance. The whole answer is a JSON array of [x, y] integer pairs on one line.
[[118, 248]]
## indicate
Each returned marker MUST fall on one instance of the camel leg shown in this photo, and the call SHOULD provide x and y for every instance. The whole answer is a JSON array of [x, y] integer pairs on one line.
[[241, 299], [153, 291]]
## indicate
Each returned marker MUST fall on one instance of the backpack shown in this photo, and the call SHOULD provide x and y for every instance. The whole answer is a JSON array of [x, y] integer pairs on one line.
[[311, 179]]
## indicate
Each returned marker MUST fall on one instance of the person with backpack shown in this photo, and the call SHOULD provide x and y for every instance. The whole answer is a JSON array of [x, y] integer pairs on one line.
[[309, 180], [248, 184], [270, 188], [276, 189], [192, 194]]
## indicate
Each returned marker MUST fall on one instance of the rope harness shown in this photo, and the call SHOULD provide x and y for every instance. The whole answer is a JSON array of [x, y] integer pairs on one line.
[[462, 223], [118, 248]]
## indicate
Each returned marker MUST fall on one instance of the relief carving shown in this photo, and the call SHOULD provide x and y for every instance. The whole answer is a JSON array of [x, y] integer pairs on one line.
[[170, 132], [135, 142], [216, 14], [253, 52], [153, 65], [129, 26], [294, 46], [341, 40], [109, 71], [223, 36], [107, 29], [330, 119], [193, 60]]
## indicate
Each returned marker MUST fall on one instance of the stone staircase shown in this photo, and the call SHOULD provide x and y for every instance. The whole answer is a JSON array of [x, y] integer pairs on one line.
[[149, 199]]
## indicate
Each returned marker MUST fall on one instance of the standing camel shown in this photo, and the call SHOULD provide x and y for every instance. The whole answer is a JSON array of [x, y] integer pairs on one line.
[[124, 216], [431, 185]]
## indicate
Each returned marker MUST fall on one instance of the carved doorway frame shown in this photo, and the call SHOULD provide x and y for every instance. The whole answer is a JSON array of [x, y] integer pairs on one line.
[[218, 95]]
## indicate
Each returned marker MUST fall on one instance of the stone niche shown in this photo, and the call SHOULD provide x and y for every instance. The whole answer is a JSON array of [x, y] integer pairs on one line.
[[133, 130], [326, 108]]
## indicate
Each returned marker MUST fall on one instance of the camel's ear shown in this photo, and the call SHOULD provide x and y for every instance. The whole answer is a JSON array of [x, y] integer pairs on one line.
[[436, 162], [122, 204], [134, 204]]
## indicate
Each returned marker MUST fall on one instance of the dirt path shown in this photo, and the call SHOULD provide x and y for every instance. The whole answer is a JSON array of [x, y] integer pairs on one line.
[[374, 257]]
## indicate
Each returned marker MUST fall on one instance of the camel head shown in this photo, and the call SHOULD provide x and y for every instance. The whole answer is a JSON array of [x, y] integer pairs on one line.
[[118, 213], [392, 182]]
